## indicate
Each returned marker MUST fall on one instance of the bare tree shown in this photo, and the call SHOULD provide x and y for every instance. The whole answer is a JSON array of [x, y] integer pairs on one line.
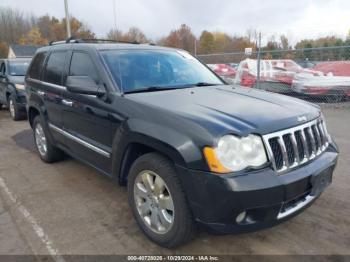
[[13, 25]]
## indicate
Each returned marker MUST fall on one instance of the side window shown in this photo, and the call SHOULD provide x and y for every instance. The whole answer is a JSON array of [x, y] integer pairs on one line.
[[37, 66], [82, 65], [54, 68], [3, 69]]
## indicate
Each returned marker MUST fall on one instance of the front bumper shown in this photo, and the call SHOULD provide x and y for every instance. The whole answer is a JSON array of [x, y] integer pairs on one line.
[[266, 197]]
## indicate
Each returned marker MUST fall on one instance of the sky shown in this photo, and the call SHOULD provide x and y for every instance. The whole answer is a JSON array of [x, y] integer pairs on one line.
[[296, 19]]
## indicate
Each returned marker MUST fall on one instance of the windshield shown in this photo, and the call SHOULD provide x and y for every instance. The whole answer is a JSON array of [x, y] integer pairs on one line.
[[138, 69], [18, 68]]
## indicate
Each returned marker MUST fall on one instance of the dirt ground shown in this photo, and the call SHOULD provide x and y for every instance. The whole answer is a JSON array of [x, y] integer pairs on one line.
[[69, 208]]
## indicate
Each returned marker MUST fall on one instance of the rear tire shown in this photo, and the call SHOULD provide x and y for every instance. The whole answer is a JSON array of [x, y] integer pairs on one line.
[[15, 113], [47, 151], [182, 228]]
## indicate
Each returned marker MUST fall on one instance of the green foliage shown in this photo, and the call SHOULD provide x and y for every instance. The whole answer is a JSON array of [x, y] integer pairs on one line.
[[206, 43]]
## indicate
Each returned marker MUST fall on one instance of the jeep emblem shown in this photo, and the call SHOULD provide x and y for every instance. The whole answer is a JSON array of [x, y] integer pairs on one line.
[[302, 118]]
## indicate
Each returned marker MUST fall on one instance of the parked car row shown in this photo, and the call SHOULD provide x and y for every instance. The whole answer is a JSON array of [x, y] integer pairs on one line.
[[12, 92], [328, 81]]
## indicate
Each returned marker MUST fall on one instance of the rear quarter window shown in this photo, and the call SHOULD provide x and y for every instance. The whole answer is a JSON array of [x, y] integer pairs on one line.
[[36, 67]]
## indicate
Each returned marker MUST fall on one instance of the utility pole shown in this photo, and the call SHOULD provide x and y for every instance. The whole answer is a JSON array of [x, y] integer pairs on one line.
[[115, 21], [258, 61], [195, 47], [67, 19]]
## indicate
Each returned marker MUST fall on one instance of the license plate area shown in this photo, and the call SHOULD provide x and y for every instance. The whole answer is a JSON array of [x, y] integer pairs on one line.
[[321, 181]]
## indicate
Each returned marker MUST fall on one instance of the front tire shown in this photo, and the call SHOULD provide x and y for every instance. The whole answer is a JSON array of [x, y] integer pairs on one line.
[[47, 151], [158, 201]]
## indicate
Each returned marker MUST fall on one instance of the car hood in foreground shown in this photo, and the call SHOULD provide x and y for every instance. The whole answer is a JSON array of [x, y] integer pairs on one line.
[[228, 109]]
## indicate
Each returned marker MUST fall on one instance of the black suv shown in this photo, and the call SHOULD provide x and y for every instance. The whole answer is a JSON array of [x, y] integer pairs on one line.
[[191, 149], [12, 94]]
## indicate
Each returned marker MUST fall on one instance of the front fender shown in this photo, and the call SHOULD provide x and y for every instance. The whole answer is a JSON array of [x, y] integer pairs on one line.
[[168, 141]]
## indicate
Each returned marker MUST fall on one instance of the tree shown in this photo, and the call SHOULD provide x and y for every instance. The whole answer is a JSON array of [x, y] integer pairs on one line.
[[206, 43], [181, 38], [284, 42], [115, 35], [46, 24], [78, 28], [222, 42], [13, 25], [3, 50], [136, 35], [33, 37], [133, 35]]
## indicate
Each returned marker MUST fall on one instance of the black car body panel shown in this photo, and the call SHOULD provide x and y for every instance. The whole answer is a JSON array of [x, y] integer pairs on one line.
[[104, 132]]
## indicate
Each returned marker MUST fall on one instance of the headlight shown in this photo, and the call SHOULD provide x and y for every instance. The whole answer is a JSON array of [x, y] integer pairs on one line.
[[19, 87], [233, 153]]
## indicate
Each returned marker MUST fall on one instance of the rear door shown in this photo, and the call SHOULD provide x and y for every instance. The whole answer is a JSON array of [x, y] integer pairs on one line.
[[48, 91], [86, 118]]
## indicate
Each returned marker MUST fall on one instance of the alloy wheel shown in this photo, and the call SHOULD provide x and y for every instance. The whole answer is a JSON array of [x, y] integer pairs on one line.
[[12, 108], [154, 202], [40, 139]]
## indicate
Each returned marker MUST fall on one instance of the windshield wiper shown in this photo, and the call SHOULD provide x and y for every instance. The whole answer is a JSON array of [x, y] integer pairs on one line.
[[163, 88], [149, 89], [205, 84]]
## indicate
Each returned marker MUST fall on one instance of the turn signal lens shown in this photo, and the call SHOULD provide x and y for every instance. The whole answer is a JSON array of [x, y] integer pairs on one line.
[[213, 163]]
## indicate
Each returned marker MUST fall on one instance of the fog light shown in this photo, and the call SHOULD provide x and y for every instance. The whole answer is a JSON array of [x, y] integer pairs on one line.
[[241, 217]]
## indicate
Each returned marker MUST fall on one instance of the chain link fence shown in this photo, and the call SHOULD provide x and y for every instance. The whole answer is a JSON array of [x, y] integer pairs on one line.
[[320, 75]]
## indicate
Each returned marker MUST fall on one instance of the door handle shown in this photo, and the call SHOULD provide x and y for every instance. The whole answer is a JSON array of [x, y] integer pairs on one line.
[[41, 93], [67, 102]]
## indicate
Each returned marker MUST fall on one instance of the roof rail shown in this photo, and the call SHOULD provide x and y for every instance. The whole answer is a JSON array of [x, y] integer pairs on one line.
[[72, 40], [92, 40]]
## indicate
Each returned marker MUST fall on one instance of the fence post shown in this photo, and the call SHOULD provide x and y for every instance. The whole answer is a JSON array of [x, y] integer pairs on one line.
[[258, 61]]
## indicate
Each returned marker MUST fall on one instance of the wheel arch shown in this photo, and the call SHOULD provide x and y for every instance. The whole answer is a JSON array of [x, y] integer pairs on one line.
[[32, 113], [128, 146]]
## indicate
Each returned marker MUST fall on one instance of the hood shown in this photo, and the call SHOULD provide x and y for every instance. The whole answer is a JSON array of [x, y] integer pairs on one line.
[[16, 79], [231, 109]]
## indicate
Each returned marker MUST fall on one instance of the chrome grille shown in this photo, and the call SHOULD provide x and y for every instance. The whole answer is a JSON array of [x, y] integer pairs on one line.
[[295, 146]]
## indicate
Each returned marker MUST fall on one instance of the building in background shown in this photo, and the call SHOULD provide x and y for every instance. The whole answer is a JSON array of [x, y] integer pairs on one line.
[[22, 51]]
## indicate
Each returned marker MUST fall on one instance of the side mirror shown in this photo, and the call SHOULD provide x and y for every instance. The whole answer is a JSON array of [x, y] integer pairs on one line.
[[84, 85]]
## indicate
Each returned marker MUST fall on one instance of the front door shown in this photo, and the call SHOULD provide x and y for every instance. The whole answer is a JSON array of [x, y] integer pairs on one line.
[[86, 119]]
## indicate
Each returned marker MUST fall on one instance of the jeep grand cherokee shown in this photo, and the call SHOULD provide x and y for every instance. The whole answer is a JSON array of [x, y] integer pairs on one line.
[[191, 149]]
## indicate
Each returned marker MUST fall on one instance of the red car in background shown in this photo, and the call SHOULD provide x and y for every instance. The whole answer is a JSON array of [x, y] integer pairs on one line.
[[333, 84], [275, 75], [223, 70], [336, 68], [329, 81]]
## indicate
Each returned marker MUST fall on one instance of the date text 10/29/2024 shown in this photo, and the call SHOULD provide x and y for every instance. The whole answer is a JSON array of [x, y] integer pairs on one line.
[[173, 258]]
